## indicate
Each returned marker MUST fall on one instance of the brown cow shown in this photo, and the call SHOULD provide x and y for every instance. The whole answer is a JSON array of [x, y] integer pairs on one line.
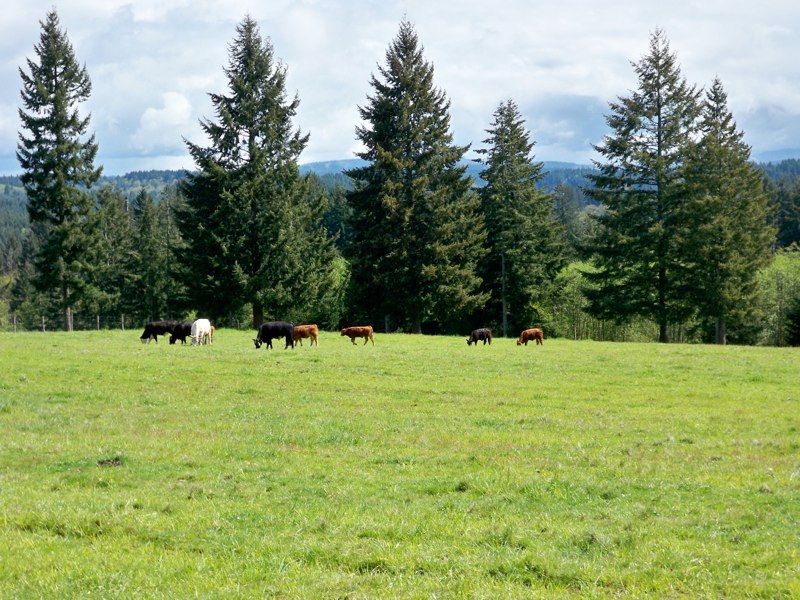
[[531, 334], [306, 331], [357, 332]]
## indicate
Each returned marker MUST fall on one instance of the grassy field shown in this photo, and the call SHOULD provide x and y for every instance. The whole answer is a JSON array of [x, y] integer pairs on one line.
[[419, 468]]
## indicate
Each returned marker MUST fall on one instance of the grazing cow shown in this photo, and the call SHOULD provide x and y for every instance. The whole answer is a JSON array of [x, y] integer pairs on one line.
[[155, 329], [213, 331], [359, 332], [275, 330], [478, 335], [181, 332], [306, 331], [531, 334], [201, 332]]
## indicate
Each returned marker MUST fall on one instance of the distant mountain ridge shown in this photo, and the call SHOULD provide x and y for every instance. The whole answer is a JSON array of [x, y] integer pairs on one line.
[[334, 167]]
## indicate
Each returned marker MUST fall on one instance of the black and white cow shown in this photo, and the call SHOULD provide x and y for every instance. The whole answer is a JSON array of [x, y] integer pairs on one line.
[[275, 330], [155, 329]]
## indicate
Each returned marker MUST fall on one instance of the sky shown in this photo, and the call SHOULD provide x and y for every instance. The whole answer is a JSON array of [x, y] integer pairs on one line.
[[153, 64]]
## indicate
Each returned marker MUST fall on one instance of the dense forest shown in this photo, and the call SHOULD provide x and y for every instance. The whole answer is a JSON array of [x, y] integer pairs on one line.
[[674, 234]]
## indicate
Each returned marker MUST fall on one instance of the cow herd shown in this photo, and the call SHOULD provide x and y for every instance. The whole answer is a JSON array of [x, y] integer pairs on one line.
[[485, 335], [201, 332]]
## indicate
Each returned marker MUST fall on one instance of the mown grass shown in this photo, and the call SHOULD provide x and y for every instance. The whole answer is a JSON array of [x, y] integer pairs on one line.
[[417, 468]]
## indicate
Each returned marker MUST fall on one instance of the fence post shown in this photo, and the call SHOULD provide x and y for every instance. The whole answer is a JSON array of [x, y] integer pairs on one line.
[[15, 322], [123, 322], [98, 322], [43, 327]]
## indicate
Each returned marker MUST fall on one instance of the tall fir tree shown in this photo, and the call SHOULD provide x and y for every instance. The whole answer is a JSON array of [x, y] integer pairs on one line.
[[641, 184], [526, 243], [787, 218], [115, 251], [727, 232], [416, 234], [149, 285], [58, 167], [247, 223]]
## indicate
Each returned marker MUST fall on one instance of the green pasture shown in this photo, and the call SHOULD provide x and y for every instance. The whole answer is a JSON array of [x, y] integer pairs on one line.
[[417, 468]]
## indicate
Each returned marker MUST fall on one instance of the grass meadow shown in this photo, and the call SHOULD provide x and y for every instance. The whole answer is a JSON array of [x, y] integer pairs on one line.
[[420, 468]]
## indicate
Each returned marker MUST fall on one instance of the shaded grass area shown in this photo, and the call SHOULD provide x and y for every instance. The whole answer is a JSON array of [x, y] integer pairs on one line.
[[418, 467]]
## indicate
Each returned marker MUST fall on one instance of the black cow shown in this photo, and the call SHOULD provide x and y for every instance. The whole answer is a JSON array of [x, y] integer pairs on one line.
[[275, 330], [478, 335], [155, 329], [181, 332]]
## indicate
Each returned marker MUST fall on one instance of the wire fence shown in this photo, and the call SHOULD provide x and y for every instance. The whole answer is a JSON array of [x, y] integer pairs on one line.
[[15, 323]]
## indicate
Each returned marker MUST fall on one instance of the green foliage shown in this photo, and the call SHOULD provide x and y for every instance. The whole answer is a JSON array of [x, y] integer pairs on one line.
[[415, 225], [57, 166], [525, 242], [725, 219], [779, 290], [786, 199], [641, 184], [251, 223], [419, 468], [115, 258]]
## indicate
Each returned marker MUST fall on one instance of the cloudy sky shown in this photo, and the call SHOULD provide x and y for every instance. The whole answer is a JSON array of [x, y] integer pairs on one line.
[[153, 62]]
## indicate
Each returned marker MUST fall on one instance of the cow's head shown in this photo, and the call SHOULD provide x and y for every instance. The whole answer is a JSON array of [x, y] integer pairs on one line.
[[172, 339], [519, 342], [469, 341], [258, 343]]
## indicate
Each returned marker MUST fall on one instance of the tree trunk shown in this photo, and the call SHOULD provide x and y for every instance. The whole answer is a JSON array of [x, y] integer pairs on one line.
[[721, 331], [503, 293], [258, 315], [663, 335], [416, 326], [67, 307]]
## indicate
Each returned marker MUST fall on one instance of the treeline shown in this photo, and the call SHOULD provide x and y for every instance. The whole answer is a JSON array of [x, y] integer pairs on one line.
[[674, 235]]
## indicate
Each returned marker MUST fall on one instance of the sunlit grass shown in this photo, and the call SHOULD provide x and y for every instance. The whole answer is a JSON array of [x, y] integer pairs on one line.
[[416, 468]]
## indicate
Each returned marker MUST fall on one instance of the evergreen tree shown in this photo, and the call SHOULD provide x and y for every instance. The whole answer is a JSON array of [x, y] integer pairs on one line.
[[642, 186], [787, 201], [525, 242], [567, 208], [149, 285], [246, 223], [115, 250], [415, 224], [58, 167], [727, 233]]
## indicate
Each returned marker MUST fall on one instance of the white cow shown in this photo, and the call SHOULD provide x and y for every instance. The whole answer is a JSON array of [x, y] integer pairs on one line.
[[201, 332]]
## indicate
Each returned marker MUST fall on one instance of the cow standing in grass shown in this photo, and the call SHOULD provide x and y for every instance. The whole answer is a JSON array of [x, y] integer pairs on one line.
[[359, 332], [478, 335], [275, 330], [155, 329], [201, 332], [306, 331], [531, 334], [181, 332]]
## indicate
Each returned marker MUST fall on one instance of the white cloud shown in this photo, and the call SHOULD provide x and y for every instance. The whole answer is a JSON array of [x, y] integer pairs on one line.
[[161, 128], [153, 63]]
